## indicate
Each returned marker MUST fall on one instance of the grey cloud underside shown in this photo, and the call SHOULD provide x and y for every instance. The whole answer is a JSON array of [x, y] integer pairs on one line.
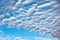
[[33, 16]]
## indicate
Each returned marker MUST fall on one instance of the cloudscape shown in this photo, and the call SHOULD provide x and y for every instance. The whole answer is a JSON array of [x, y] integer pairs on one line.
[[29, 20]]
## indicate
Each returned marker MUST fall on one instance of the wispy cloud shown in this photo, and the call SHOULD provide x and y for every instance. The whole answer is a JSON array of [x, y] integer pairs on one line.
[[19, 38], [42, 38], [15, 38]]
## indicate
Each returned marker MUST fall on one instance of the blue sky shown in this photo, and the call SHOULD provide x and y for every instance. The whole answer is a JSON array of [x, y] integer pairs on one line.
[[27, 19], [12, 33]]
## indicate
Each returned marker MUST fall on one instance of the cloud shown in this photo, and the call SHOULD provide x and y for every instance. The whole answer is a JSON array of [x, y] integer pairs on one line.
[[42, 38], [8, 20], [47, 4], [27, 1], [47, 22], [10, 38], [6, 3], [4, 38], [31, 10], [1, 38], [5, 21], [18, 3], [19, 38], [39, 13]]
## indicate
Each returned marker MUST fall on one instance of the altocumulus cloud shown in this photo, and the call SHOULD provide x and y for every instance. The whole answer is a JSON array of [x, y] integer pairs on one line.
[[40, 18]]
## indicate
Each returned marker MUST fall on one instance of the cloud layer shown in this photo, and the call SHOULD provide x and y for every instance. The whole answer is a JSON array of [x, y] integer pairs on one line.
[[30, 14]]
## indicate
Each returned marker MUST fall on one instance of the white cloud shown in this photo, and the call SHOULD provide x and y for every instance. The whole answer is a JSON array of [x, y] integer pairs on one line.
[[27, 1], [5, 15], [18, 3], [42, 38], [31, 10], [12, 19], [5, 21], [11, 38], [15, 23], [45, 23], [8, 20], [1, 17], [19, 38], [47, 4], [39, 13], [56, 5]]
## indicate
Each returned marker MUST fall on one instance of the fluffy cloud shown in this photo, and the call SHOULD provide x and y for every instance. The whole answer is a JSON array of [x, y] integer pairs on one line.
[[8, 20], [45, 23], [31, 10]]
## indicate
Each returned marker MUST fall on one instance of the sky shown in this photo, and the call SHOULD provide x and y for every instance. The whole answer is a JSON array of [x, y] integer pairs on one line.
[[29, 20]]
